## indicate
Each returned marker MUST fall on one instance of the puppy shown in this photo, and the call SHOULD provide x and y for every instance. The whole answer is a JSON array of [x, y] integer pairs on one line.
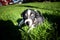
[[32, 18]]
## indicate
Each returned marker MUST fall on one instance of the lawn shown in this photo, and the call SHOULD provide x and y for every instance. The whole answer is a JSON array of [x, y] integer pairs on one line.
[[11, 15]]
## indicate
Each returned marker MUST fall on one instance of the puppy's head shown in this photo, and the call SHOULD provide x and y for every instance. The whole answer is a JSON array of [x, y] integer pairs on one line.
[[29, 16]]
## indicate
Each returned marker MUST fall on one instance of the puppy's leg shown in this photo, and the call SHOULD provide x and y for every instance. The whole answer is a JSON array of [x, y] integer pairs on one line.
[[31, 28], [20, 23]]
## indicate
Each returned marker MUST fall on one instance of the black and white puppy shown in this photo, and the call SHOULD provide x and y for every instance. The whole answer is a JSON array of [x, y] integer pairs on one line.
[[32, 18]]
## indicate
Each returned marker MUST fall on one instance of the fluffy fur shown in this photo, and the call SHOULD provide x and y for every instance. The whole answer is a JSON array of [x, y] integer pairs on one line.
[[32, 18]]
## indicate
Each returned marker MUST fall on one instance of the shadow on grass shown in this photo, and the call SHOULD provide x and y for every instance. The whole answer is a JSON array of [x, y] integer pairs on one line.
[[55, 19], [8, 31]]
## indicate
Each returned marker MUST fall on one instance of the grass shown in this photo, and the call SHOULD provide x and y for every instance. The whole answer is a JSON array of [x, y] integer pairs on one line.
[[10, 16]]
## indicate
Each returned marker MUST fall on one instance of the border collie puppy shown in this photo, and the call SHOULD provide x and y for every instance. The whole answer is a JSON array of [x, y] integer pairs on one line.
[[32, 18]]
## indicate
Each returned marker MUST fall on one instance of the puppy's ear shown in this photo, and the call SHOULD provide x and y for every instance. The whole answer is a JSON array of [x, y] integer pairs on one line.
[[38, 13], [23, 13]]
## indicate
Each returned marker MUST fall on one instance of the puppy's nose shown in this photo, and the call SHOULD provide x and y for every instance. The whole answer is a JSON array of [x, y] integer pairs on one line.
[[27, 23]]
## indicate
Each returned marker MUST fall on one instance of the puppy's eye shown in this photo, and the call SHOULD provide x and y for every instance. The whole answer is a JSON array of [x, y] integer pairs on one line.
[[26, 15], [32, 14]]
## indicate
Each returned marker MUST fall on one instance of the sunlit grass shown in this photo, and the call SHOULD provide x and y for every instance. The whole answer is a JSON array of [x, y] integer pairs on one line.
[[45, 31]]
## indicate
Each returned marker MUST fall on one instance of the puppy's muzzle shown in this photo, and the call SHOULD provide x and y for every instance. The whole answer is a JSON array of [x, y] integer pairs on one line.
[[28, 22]]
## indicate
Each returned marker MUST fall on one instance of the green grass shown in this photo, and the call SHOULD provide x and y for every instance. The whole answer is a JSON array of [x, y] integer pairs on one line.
[[46, 31]]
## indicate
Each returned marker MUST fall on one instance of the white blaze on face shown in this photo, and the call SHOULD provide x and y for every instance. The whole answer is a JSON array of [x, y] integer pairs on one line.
[[29, 12]]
